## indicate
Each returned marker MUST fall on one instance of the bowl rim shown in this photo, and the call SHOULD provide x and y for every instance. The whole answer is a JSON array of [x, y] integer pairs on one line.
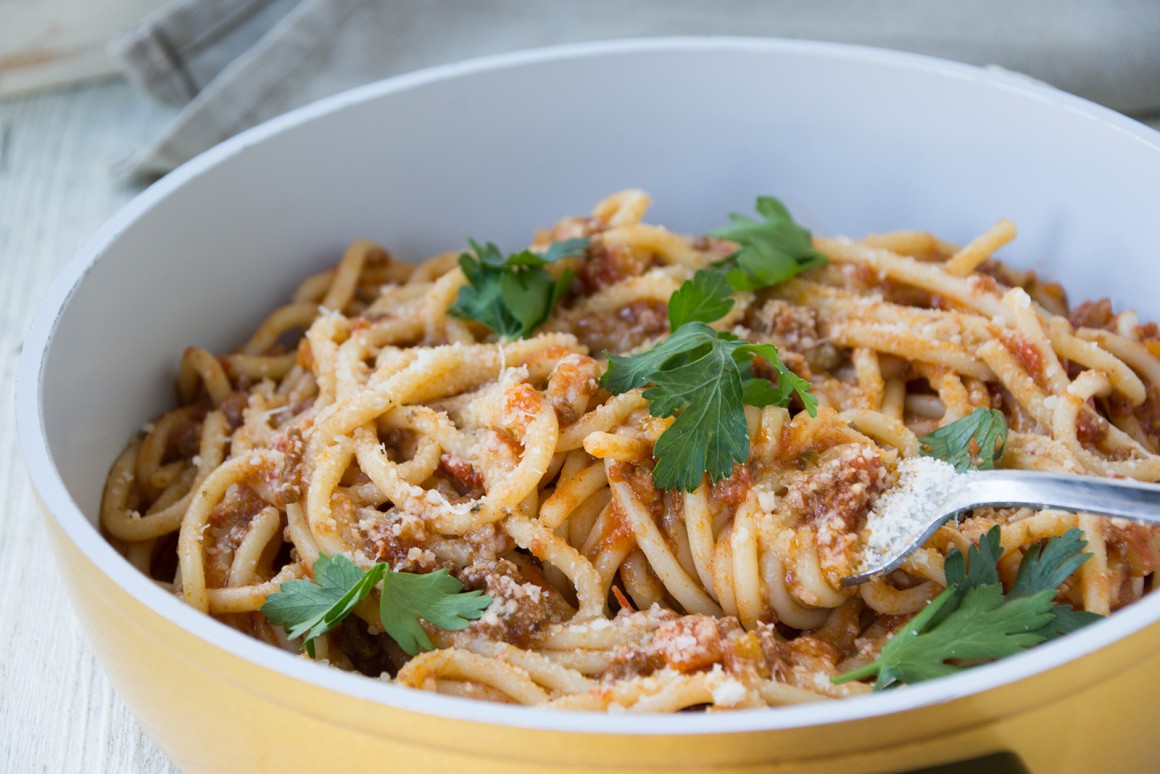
[[49, 485]]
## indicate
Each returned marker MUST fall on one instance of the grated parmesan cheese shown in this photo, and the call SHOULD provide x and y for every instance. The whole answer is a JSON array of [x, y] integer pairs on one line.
[[728, 693], [766, 500], [925, 485]]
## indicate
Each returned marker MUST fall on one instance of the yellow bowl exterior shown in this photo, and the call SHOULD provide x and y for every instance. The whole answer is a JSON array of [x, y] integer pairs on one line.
[[211, 711]]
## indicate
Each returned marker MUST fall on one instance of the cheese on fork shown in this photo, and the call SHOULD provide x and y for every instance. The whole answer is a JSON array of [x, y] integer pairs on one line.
[[925, 485]]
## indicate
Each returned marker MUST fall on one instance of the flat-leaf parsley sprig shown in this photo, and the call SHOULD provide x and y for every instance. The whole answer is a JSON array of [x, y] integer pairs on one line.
[[770, 251], [513, 295], [313, 608], [704, 378], [974, 621]]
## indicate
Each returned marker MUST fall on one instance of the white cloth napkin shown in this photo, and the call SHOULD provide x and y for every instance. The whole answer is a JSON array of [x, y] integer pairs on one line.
[[235, 63]]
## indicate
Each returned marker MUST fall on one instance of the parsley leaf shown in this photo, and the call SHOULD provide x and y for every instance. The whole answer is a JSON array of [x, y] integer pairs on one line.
[[514, 295], [705, 298], [481, 299], [1065, 620], [973, 620], [627, 372], [983, 626], [313, 608], [762, 392], [702, 377], [976, 440], [436, 597], [1047, 569], [983, 567], [770, 251], [710, 432]]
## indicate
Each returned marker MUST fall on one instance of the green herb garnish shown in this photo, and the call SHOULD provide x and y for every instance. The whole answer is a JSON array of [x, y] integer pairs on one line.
[[977, 440], [973, 620], [770, 250], [707, 297], [514, 295], [704, 378], [313, 608]]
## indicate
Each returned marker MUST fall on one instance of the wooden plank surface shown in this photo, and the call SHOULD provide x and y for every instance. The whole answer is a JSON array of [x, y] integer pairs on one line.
[[58, 712]]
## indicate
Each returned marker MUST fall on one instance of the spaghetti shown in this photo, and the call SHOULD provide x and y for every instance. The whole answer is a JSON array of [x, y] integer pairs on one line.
[[361, 419]]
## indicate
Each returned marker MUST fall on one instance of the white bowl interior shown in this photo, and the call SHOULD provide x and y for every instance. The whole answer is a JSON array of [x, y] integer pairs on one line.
[[853, 140]]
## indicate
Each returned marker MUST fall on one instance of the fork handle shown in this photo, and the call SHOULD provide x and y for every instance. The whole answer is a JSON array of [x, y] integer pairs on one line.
[[1110, 497]]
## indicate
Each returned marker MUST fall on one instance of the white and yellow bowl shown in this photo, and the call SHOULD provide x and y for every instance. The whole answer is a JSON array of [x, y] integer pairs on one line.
[[855, 140]]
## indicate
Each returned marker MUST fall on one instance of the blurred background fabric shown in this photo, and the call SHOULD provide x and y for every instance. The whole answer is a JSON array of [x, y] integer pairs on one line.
[[232, 64]]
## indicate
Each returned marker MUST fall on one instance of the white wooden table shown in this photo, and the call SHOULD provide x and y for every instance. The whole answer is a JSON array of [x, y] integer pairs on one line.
[[58, 712]]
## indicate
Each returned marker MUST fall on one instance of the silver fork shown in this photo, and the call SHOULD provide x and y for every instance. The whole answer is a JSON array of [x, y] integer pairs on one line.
[[1023, 488]]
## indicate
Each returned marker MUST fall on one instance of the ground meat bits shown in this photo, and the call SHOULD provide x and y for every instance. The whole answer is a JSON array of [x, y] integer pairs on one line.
[[607, 265], [1148, 414], [233, 406], [184, 440], [227, 526], [1026, 353], [840, 489], [468, 479], [518, 607], [292, 479], [572, 384], [687, 644], [1091, 428], [632, 325], [794, 329], [1094, 314], [834, 498], [695, 643], [732, 491]]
